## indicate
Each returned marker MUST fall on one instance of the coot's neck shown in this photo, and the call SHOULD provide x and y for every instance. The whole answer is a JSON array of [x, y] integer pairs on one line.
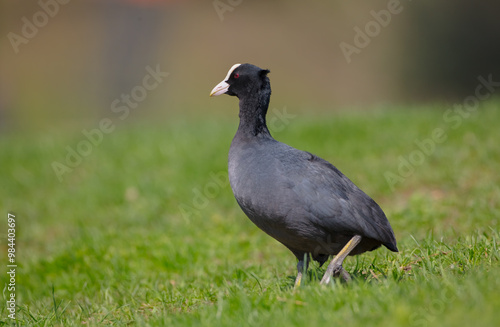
[[253, 110]]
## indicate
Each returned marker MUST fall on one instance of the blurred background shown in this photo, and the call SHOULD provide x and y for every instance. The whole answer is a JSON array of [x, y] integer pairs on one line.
[[142, 222], [65, 62]]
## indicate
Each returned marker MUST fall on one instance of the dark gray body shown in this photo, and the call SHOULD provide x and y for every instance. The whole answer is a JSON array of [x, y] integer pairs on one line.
[[303, 201]]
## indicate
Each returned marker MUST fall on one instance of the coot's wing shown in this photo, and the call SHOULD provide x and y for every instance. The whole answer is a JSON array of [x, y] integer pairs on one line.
[[334, 202]]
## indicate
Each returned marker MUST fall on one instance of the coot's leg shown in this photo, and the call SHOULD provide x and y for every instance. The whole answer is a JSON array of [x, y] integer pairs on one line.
[[300, 269], [335, 265]]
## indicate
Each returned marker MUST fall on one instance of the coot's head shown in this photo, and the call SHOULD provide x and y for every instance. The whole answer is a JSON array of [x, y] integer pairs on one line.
[[242, 80]]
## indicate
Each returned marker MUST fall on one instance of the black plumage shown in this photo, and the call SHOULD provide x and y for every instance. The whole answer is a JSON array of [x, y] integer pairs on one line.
[[299, 199]]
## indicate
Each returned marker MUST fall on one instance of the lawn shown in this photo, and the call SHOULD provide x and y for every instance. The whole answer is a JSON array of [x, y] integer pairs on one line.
[[145, 230]]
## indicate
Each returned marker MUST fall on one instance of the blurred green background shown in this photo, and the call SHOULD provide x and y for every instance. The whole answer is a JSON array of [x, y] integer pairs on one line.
[[140, 232], [71, 68]]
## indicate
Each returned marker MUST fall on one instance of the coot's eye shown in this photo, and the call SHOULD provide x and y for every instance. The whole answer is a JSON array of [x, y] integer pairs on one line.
[[236, 75]]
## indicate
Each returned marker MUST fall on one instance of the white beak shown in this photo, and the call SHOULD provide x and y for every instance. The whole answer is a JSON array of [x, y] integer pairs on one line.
[[222, 87], [219, 89]]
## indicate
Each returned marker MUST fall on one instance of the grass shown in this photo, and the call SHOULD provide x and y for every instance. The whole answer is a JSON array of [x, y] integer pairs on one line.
[[146, 232]]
